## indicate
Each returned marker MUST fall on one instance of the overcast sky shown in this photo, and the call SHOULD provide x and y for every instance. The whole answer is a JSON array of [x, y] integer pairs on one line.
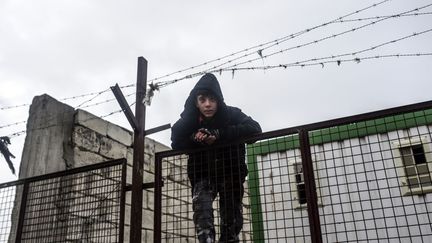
[[70, 48]]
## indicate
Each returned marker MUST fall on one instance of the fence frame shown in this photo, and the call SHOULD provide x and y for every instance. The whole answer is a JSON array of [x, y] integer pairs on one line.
[[304, 133], [26, 182]]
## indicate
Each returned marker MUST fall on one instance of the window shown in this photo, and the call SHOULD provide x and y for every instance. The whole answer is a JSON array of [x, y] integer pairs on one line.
[[298, 189], [413, 161]]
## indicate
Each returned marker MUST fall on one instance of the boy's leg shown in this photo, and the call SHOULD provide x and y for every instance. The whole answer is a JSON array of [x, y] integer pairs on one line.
[[203, 194], [231, 209]]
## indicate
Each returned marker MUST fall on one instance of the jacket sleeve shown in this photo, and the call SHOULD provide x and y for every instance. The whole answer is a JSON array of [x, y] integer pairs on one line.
[[181, 135], [239, 126]]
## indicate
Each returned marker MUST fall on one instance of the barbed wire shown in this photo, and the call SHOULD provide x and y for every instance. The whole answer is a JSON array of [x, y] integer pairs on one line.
[[326, 37], [273, 42], [13, 107], [12, 124], [261, 46], [367, 49], [338, 62], [261, 57], [94, 97], [270, 43], [20, 133], [284, 66], [105, 101], [385, 16], [297, 63]]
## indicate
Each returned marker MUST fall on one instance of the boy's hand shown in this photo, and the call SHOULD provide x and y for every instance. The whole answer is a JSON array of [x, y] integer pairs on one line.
[[205, 136]]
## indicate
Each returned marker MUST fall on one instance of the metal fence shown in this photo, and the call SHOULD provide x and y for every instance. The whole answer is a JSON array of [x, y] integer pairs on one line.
[[85, 204], [365, 178]]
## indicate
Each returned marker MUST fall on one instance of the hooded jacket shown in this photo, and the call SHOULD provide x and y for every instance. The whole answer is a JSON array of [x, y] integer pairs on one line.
[[231, 123]]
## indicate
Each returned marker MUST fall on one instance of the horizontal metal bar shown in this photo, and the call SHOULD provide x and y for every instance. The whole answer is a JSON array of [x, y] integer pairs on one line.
[[65, 172], [125, 106], [315, 126], [157, 129], [144, 186]]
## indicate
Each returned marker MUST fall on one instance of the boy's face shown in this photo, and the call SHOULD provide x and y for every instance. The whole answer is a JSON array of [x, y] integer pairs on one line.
[[207, 105]]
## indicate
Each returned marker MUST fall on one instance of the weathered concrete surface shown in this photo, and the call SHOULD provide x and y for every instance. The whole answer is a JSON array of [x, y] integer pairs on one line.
[[60, 138], [47, 144]]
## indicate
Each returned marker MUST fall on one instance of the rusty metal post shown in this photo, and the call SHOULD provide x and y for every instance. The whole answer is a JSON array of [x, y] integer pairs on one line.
[[21, 215], [122, 201], [138, 153], [157, 234], [310, 187]]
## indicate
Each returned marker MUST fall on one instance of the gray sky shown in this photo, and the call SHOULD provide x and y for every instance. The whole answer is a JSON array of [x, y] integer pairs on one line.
[[69, 48]]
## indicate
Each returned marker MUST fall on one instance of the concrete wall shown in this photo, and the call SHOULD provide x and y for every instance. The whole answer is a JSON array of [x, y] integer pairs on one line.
[[60, 138]]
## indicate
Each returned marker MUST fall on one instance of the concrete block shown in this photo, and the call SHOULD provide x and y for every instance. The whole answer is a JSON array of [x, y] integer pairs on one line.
[[157, 147], [85, 139], [147, 217], [149, 200], [119, 134], [91, 121], [112, 149], [49, 127], [148, 161], [82, 158]]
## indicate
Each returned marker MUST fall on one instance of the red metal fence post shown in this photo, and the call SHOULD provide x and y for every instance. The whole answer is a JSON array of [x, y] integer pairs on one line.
[[310, 187], [138, 154]]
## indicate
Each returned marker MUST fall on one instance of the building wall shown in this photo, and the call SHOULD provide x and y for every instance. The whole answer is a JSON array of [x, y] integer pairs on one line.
[[359, 187]]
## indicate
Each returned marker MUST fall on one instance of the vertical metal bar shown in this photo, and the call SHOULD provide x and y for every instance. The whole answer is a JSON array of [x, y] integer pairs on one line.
[[158, 200], [122, 200], [21, 215], [310, 187], [138, 154]]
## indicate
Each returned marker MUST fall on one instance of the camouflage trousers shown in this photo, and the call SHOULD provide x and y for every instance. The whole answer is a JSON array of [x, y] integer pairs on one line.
[[230, 193]]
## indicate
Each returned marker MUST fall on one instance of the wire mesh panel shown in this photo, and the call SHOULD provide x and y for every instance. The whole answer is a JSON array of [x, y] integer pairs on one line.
[[7, 199], [277, 190], [371, 176], [374, 180], [204, 194], [81, 205]]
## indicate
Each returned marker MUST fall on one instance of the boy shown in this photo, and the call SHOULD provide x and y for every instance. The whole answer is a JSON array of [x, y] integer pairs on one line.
[[205, 122]]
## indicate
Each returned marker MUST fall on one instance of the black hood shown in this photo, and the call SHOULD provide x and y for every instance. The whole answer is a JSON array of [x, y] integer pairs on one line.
[[207, 82]]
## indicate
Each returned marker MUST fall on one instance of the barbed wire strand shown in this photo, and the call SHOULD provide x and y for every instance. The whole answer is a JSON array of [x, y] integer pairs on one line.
[[169, 82], [348, 53], [367, 49], [277, 42], [94, 97], [273, 42], [12, 124], [339, 61], [325, 38], [20, 133], [385, 16], [105, 101], [416, 34]]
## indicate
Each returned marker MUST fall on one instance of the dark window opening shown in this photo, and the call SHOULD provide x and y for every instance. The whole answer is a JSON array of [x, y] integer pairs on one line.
[[418, 153], [301, 193]]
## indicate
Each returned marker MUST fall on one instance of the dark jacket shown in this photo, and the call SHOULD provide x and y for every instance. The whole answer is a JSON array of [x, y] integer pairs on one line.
[[232, 125]]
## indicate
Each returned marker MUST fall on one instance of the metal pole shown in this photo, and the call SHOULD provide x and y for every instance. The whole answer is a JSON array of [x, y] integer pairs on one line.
[[138, 153], [310, 187], [21, 215], [157, 235]]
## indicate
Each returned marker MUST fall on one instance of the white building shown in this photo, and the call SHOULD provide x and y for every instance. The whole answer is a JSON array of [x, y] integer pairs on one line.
[[373, 182]]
